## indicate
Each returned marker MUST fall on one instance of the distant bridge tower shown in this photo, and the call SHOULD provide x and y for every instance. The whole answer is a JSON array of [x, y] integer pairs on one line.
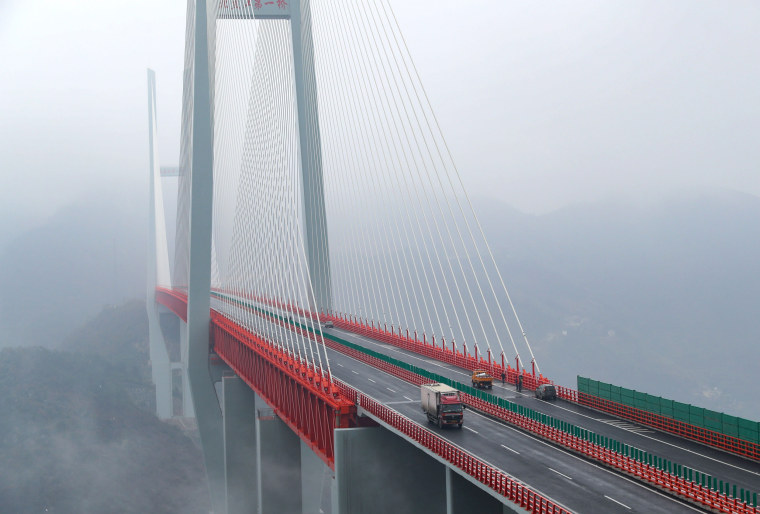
[[158, 266]]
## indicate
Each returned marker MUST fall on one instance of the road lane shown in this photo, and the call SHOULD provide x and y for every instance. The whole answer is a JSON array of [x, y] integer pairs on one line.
[[522, 456]]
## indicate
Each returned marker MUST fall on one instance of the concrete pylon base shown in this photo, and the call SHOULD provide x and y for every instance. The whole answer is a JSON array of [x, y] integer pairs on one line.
[[463, 497], [160, 364], [240, 464], [316, 482], [378, 472], [279, 460]]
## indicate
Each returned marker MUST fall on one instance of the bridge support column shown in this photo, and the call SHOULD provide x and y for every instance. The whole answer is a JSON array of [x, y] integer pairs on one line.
[[187, 397], [279, 461], [463, 497], [158, 266], [266, 464], [240, 450], [378, 472], [160, 364], [313, 475]]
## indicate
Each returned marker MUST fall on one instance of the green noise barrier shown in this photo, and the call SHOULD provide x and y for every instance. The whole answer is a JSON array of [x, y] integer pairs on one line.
[[704, 418]]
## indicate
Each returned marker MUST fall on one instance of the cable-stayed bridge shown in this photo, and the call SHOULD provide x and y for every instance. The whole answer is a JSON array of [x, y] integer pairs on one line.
[[326, 261]]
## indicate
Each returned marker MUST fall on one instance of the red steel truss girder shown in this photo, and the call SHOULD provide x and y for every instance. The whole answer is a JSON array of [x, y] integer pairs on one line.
[[299, 395], [287, 384], [175, 301]]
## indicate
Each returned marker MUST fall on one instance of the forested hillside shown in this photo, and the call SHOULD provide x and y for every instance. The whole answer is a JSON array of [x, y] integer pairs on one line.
[[78, 431], [57, 275]]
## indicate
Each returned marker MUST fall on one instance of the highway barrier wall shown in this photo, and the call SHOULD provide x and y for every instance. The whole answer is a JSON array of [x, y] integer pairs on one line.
[[716, 421]]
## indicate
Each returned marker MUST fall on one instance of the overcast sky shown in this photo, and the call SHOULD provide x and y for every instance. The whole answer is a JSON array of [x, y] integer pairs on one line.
[[544, 104]]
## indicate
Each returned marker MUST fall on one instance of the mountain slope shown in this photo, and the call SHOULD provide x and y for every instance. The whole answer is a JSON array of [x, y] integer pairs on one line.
[[53, 277], [661, 298], [72, 437]]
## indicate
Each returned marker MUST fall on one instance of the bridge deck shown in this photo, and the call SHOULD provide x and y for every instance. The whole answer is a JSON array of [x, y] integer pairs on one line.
[[568, 480], [571, 481], [728, 467]]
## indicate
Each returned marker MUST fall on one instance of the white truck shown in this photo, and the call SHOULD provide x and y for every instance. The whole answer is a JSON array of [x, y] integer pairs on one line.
[[442, 404]]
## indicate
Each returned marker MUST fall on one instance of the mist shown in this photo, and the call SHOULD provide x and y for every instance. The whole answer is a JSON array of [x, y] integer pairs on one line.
[[611, 149]]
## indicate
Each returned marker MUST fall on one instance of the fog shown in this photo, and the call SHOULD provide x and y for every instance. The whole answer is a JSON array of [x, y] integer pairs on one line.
[[543, 105], [611, 147]]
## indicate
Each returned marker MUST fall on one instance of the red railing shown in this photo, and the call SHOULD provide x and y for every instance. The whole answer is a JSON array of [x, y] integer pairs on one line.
[[460, 357], [680, 428]]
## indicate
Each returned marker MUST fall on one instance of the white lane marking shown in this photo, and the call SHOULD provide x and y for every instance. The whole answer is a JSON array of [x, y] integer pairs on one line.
[[339, 364], [471, 430], [371, 380], [561, 474], [396, 403], [673, 445], [624, 425], [576, 457], [354, 372], [510, 449], [391, 390], [408, 398], [614, 500]]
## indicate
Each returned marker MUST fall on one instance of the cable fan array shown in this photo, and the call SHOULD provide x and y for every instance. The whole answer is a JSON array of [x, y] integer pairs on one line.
[[403, 247]]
